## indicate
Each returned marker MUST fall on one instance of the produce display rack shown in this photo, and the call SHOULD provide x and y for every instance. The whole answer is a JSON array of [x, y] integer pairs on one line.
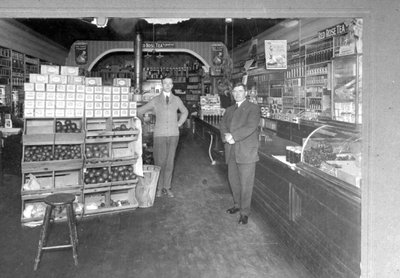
[[67, 175], [110, 143]]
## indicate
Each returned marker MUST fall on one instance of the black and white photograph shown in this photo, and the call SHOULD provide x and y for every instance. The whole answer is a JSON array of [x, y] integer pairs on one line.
[[199, 139]]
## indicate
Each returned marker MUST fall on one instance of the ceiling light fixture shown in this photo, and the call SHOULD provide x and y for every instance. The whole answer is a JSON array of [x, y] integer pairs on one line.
[[165, 20], [100, 22]]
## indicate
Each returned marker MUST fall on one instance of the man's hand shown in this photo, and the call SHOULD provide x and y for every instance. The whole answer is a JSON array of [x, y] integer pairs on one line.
[[229, 138]]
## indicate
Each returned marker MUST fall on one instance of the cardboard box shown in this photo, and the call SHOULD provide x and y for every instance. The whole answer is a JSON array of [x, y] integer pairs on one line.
[[29, 104], [132, 104], [79, 104], [98, 113], [89, 90], [116, 98], [39, 103], [69, 113], [69, 104], [29, 113], [107, 90], [40, 87], [51, 95], [39, 113], [89, 113], [51, 87], [89, 105], [124, 105], [107, 113], [89, 97], [57, 79], [125, 90], [70, 96], [79, 113], [38, 78], [80, 88], [107, 105], [98, 97], [60, 104], [61, 88], [116, 105], [98, 105], [29, 86], [122, 82], [98, 90], [30, 95], [50, 104], [40, 95], [116, 113], [60, 113], [76, 80], [132, 112], [71, 88], [93, 81], [106, 97], [116, 90], [60, 96], [49, 69], [67, 70], [125, 98], [49, 113], [80, 97], [124, 112]]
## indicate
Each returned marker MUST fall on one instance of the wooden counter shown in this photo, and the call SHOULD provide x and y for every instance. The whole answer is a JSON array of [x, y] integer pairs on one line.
[[319, 220], [316, 217]]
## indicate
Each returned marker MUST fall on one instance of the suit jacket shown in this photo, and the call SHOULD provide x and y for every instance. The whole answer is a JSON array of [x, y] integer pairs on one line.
[[242, 123]]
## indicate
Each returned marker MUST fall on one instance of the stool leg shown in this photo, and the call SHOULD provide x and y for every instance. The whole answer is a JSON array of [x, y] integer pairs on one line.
[[43, 235], [75, 222], [72, 235]]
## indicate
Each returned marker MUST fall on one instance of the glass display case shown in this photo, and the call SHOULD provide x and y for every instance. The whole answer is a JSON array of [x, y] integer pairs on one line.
[[334, 153]]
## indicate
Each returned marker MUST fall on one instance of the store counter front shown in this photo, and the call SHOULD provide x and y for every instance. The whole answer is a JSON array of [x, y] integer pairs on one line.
[[317, 215]]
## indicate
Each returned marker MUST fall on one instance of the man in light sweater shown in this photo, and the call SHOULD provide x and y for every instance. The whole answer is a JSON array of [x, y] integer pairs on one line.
[[165, 106]]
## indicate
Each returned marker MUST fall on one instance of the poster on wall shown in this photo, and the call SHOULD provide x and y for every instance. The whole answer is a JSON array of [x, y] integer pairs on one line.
[[276, 54], [217, 54], [252, 55], [81, 53]]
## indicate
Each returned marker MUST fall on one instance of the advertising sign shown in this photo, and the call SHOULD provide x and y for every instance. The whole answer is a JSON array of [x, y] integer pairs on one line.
[[276, 54]]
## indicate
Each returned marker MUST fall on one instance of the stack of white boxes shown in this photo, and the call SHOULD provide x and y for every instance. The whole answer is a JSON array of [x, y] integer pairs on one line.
[[59, 92]]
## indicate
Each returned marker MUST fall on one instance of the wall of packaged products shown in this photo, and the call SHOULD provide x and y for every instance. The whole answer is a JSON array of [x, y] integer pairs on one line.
[[322, 79]]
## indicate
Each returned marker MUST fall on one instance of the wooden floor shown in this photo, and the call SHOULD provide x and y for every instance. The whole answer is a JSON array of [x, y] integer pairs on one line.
[[186, 236]]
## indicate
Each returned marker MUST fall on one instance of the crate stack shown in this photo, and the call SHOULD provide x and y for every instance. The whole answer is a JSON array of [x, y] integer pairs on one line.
[[53, 142], [75, 128], [113, 161]]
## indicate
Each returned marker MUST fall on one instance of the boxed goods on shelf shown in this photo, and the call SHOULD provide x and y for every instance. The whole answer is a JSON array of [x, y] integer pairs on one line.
[[42, 181], [109, 199], [33, 208]]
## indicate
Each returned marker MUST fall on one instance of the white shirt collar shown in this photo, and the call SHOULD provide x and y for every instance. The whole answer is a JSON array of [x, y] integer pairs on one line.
[[240, 103], [167, 94]]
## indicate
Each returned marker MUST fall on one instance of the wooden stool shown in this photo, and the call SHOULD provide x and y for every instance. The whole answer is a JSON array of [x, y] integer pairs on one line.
[[58, 199]]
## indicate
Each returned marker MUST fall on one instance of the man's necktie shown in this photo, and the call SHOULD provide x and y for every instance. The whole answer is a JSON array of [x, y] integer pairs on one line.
[[167, 99]]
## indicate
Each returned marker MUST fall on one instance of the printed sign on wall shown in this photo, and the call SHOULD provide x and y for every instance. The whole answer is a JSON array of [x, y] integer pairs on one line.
[[81, 53], [276, 54]]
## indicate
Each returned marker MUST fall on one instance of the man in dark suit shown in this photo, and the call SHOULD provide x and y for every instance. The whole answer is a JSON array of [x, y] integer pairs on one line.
[[239, 131]]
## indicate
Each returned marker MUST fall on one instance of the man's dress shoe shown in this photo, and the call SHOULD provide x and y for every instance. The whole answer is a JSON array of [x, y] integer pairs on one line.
[[232, 210], [243, 219]]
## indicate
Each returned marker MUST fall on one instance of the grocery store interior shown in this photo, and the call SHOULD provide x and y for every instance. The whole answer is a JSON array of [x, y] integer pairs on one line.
[[70, 89]]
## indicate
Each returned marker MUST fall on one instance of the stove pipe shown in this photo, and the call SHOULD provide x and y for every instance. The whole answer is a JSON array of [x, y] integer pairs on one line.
[[138, 62]]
